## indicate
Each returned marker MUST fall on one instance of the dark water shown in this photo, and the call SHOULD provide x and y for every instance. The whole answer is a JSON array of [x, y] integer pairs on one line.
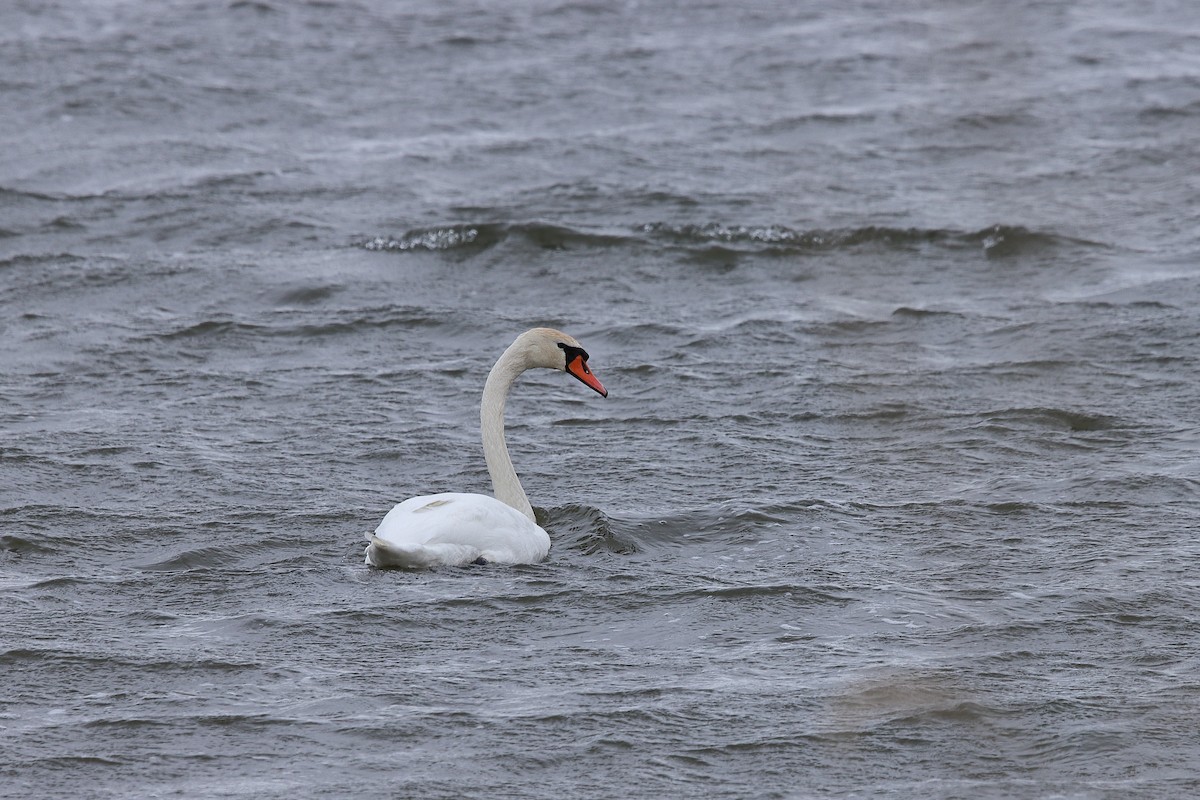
[[895, 495]]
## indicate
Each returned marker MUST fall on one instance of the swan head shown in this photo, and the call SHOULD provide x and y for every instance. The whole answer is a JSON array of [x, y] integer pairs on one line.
[[553, 349]]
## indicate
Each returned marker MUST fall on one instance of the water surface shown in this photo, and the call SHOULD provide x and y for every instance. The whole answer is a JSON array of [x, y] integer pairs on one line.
[[895, 494]]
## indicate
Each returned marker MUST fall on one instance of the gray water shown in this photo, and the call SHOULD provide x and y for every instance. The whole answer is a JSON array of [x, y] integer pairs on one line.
[[895, 494]]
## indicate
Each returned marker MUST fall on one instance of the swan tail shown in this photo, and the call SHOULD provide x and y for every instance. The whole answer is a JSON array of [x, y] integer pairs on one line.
[[385, 554], [382, 553]]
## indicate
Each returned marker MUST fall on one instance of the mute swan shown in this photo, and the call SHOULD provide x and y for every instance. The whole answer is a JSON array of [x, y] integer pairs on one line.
[[453, 528]]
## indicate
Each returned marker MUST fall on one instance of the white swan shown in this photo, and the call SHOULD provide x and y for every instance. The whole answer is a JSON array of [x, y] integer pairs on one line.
[[454, 528]]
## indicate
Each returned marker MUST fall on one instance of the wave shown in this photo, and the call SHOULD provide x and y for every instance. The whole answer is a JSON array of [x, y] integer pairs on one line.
[[431, 239], [1053, 419], [482, 236], [994, 241], [212, 327], [38, 259], [586, 529], [21, 545], [10, 194], [383, 317]]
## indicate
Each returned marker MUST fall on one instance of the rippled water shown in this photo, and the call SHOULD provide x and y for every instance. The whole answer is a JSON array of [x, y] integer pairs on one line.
[[895, 494]]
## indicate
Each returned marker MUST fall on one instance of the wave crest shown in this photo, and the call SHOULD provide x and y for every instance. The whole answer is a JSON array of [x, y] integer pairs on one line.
[[994, 241]]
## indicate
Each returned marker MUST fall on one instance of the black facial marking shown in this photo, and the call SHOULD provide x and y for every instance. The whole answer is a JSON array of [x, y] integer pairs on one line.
[[571, 352]]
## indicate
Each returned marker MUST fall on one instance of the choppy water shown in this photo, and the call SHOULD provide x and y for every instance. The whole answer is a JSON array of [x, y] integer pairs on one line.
[[895, 494]]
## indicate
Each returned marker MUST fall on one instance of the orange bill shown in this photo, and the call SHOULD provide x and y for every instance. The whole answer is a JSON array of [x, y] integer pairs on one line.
[[579, 368]]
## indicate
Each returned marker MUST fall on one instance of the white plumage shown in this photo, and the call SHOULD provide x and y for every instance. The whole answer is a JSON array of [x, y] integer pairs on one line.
[[455, 528]]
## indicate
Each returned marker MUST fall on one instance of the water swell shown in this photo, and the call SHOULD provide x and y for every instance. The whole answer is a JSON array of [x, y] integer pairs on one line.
[[994, 241], [486, 235], [448, 238], [291, 323], [1048, 418]]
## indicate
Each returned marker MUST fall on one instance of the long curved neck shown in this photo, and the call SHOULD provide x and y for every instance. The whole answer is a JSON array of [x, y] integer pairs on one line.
[[506, 486]]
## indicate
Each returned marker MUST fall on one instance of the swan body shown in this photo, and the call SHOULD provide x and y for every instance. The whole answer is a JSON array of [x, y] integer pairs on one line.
[[455, 528]]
